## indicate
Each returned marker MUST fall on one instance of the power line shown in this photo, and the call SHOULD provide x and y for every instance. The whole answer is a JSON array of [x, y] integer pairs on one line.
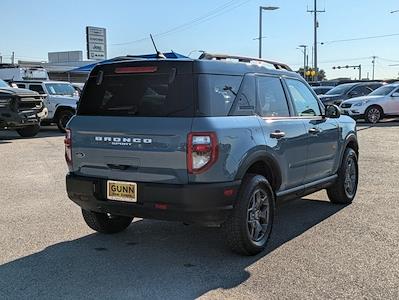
[[360, 38], [231, 5]]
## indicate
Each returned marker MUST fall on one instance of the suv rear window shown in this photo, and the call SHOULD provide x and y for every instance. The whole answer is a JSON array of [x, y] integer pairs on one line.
[[140, 95]]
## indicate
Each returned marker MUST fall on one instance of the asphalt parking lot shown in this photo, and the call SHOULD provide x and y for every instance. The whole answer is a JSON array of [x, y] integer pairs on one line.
[[317, 250]]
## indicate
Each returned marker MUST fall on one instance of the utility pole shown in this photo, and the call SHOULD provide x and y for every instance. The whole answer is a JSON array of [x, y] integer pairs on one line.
[[12, 57], [373, 62], [315, 26]]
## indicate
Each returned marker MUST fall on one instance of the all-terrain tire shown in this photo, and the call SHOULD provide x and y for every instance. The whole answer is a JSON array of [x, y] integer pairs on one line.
[[238, 229], [63, 118], [344, 189], [29, 131], [105, 223]]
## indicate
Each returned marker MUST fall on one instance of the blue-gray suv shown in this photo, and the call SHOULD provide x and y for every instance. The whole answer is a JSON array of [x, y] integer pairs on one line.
[[213, 141]]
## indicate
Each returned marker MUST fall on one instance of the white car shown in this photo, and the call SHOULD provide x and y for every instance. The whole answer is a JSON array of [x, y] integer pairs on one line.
[[383, 102]]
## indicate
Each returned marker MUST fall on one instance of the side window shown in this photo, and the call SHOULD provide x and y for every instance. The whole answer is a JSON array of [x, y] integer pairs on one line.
[[244, 105], [304, 101], [37, 88], [21, 85], [216, 93], [271, 98], [361, 91]]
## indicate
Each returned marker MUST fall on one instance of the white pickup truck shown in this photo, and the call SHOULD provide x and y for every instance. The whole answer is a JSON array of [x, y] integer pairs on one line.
[[60, 99]]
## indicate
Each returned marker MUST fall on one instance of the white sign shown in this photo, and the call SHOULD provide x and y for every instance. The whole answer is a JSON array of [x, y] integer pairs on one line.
[[96, 55], [97, 47], [96, 38]]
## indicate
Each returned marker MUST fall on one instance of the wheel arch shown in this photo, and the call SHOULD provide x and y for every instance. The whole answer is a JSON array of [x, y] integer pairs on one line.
[[262, 163], [62, 108], [351, 142]]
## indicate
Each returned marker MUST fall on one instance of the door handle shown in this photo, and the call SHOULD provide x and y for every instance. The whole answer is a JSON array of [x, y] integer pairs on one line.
[[277, 134], [314, 130]]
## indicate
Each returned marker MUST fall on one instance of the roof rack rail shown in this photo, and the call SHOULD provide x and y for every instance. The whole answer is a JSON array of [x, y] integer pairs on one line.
[[275, 64]]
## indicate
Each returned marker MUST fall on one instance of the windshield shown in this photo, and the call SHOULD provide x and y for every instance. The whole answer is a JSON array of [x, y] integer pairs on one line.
[[62, 89], [340, 89], [3, 84], [383, 91]]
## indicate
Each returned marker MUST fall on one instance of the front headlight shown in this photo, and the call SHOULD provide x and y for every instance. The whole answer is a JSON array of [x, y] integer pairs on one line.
[[360, 103]]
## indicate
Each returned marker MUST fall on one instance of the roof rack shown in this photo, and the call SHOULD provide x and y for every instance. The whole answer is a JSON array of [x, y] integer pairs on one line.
[[276, 65]]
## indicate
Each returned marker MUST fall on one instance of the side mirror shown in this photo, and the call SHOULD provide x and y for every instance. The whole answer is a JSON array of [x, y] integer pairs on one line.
[[332, 111], [396, 94]]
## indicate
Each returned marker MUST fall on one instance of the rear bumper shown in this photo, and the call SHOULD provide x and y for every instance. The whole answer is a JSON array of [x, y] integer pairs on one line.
[[204, 204]]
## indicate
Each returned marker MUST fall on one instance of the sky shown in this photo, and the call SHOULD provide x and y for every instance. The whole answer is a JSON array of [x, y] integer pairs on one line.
[[33, 28]]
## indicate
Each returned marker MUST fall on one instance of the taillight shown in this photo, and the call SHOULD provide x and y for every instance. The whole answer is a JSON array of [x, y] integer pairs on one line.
[[202, 151], [68, 148]]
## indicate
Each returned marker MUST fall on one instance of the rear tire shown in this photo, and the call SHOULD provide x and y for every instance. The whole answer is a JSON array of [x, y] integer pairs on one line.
[[63, 118], [373, 114], [106, 223], [250, 224], [344, 189], [29, 131]]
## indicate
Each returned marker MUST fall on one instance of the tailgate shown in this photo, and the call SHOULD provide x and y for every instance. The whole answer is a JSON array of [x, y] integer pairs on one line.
[[139, 149]]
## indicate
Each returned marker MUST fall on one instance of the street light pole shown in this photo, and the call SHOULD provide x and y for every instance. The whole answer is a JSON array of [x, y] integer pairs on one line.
[[260, 31], [261, 9], [373, 62], [304, 59]]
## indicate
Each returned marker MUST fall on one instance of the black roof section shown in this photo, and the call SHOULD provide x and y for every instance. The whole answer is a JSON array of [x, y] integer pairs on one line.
[[217, 64]]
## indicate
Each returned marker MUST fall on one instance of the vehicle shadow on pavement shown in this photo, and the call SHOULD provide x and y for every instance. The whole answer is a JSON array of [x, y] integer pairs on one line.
[[44, 132], [152, 259], [386, 123]]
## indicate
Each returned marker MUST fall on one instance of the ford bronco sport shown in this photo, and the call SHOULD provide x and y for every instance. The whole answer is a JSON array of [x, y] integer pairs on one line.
[[213, 141], [20, 110]]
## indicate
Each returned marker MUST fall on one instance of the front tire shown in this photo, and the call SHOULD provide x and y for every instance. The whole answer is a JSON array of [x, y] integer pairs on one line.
[[344, 189], [106, 223], [63, 118], [29, 131], [373, 114], [250, 224]]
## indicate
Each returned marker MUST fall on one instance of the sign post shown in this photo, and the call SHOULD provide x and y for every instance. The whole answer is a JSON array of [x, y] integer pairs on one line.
[[96, 41]]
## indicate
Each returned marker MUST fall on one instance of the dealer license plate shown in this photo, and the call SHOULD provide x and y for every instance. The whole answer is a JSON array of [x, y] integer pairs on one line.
[[122, 191]]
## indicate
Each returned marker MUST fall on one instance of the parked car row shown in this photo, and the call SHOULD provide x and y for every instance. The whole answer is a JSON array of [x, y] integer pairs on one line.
[[371, 101], [382, 102], [57, 99], [21, 110], [60, 98]]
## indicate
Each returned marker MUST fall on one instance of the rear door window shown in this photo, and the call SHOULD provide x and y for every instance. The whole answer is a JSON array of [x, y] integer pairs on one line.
[[271, 97], [141, 95]]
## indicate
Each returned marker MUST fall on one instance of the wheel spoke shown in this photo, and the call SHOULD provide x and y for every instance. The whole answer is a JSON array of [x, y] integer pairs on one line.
[[258, 230]]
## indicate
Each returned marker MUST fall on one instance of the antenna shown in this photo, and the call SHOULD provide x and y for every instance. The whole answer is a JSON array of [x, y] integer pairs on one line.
[[159, 53]]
